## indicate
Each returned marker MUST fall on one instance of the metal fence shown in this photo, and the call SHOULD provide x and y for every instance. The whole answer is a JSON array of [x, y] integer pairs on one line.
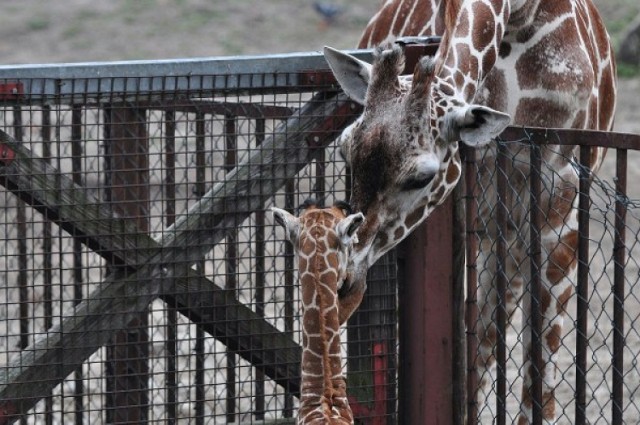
[[141, 279], [596, 361]]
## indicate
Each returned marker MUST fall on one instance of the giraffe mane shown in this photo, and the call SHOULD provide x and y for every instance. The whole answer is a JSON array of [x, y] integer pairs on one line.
[[451, 12], [308, 203]]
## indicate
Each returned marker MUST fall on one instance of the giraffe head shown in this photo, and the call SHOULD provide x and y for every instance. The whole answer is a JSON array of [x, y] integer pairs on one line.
[[323, 239], [403, 149]]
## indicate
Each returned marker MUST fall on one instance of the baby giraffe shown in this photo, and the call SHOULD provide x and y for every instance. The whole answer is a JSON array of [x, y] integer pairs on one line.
[[322, 239]]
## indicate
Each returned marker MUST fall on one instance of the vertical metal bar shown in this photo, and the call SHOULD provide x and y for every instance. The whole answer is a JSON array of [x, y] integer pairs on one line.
[[289, 288], [200, 189], [501, 286], [170, 214], [471, 315], [127, 147], [260, 276], [619, 258], [426, 328], [47, 250], [23, 263], [231, 284], [582, 291], [76, 174], [21, 222], [535, 285], [458, 289], [319, 189]]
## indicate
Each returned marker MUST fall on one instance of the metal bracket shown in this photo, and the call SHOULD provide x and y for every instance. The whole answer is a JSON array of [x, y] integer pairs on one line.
[[417, 47], [317, 138], [7, 155], [419, 40], [11, 91], [316, 78], [7, 412]]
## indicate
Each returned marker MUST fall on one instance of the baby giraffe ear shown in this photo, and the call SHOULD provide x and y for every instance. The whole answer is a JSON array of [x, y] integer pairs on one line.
[[352, 74], [289, 222], [474, 125], [346, 229]]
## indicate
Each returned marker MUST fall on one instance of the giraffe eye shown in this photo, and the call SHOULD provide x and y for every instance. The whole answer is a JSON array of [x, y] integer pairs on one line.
[[418, 182]]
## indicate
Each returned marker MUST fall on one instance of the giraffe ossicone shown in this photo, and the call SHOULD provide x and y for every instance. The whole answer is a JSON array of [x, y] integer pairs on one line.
[[322, 239], [542, 63]]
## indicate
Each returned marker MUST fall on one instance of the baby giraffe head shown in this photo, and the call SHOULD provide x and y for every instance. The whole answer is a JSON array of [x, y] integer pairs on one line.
[[323, 239], [403, 149]]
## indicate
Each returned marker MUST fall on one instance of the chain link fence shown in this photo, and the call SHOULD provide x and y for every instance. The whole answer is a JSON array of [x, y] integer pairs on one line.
[[595, 370]]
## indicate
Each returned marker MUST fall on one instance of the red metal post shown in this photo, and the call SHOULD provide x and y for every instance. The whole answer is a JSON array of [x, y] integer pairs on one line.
[[426, 312]]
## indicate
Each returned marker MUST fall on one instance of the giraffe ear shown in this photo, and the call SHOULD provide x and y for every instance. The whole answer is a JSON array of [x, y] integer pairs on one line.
[[289, 222], [346, 229], [474, 125], [352, 74]]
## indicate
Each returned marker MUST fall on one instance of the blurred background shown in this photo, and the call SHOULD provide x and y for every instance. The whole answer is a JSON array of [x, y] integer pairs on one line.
[[43, 31]]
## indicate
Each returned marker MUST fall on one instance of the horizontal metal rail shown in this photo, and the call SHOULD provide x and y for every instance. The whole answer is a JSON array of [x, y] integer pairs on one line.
[[71, 82], [140, 80]]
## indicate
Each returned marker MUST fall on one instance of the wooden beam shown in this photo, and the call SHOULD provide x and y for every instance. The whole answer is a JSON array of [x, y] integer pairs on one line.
[[127, 193], [161, 266]]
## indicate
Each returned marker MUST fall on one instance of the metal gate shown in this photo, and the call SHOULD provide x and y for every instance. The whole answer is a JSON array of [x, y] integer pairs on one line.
[[142, 279]]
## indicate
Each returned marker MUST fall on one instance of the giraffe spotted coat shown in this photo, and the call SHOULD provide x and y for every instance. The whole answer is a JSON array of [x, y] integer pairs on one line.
[[528, 62], [322, 240]]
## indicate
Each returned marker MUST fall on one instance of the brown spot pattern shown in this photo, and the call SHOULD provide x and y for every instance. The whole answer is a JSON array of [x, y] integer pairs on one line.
[[541, 112], [562, 258], [505, 49], [553, 338], [606, 97], [560, 205], [414, 217], [545, 300], [453, 173], [578, 74], [563, 299], [398, 233]]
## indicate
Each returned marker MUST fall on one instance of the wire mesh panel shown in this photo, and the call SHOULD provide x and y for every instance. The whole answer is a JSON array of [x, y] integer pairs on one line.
[[141, 275], [593, 369]]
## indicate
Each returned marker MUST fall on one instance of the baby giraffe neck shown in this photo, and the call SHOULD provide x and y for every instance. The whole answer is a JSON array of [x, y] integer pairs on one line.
[[323, 388]]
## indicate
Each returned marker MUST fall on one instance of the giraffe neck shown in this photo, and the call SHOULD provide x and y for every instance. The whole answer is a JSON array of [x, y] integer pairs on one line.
[[399, 17], [323, 387], [470, 46]]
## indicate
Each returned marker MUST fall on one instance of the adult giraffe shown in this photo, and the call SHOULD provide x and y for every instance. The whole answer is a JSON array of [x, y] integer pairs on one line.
[[540, 63], [322, 239]]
